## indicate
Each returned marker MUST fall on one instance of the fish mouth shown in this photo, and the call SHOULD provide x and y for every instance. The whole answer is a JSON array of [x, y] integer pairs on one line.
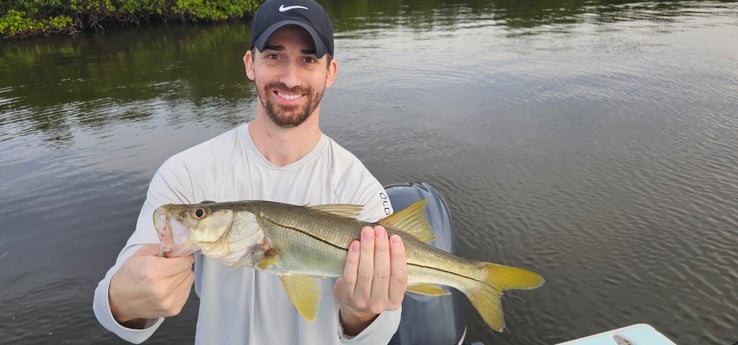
[[174, 236]]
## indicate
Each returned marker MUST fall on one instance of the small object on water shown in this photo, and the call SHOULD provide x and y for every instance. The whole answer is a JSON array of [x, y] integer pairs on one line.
[[621, 340]]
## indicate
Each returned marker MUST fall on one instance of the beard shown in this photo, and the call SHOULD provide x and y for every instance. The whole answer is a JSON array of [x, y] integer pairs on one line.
[[288, 116]]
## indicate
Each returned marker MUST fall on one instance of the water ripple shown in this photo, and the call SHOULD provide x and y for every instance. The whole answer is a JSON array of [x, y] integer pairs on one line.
[[593, 144]]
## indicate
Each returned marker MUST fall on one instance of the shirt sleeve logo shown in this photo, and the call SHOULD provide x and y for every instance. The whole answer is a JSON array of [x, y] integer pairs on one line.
[[385, 204]]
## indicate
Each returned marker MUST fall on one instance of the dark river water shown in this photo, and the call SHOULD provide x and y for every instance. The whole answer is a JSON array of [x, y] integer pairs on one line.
[[595, 142]]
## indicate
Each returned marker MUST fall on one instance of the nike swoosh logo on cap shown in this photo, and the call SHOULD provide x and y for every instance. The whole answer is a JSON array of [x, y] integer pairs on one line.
[[284, 8]]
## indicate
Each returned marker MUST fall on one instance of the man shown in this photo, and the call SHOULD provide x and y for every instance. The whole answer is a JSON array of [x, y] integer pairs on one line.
[[280, 156]]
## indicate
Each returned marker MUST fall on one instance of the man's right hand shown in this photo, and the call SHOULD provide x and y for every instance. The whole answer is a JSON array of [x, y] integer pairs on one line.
[[148, 286]]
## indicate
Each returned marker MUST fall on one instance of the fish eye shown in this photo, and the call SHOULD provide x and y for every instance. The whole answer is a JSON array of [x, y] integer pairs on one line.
[[199, 213]]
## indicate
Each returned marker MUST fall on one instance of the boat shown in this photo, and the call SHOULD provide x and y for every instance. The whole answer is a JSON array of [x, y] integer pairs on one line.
[[441, 320], [638, 334], [430, 319]]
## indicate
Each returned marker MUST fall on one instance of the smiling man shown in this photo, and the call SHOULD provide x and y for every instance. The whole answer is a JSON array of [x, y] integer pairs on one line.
[[281, 156], [289, 91]]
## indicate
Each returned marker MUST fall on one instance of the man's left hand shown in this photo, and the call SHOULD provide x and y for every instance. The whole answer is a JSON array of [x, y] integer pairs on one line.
[[374, 279]]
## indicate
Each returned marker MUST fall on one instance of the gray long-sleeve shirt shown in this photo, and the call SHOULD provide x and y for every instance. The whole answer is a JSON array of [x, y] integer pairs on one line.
[[246, 306]]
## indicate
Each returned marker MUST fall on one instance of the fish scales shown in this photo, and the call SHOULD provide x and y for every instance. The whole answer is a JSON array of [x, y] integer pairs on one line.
[[340, 232]]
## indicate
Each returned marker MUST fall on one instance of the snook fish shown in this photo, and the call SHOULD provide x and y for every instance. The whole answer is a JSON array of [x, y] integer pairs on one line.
[[302, 244]]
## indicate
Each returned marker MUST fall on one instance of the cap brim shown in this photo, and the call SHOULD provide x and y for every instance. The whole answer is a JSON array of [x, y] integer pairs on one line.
[[261, 41]]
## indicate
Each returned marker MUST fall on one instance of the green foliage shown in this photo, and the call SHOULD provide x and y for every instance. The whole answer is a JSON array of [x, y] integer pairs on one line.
[[20, 18], [16, 23], [214, 10]]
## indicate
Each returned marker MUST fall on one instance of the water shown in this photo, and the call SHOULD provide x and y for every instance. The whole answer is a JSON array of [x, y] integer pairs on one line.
[[593, 142]]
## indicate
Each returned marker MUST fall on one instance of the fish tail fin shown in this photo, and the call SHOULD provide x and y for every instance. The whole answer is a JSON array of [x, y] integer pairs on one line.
[[485, 297]]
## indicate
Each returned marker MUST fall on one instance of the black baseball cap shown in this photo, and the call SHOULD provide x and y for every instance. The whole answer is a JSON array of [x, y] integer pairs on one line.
[[308, 14]]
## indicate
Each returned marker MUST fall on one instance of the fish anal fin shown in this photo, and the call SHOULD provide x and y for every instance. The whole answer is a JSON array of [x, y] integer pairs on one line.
[[411, 220], [427, 290], [304, 292], [344, 210]]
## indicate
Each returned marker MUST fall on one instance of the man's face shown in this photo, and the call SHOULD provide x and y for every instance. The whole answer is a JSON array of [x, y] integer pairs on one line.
[[290, 79]]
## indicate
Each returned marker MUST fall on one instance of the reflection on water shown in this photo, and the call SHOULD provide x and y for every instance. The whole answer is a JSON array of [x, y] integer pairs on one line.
[[593, 142], [56, 86]]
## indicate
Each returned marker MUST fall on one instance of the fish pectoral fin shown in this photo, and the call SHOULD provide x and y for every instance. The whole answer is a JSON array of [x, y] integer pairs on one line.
[[304, 292], [344, 210], [270, 257], [427, 290], [266, 262], [412, 220]]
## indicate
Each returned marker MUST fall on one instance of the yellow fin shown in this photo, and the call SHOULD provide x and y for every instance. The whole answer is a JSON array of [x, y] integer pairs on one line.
[[344, 210], [271, 257], [506, 277], [304, 292], [486, 297], [427, 290], [266, 262], [412, 220]]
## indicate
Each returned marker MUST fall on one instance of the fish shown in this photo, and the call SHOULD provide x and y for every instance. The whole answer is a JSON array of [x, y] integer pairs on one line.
[[303, 244]]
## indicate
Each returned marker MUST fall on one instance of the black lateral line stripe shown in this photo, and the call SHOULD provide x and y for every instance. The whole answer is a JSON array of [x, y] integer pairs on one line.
[[441, 270], [304, 233], [344, 248]]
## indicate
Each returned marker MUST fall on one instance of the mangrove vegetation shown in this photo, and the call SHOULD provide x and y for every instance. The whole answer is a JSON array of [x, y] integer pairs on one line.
[[28, 18]]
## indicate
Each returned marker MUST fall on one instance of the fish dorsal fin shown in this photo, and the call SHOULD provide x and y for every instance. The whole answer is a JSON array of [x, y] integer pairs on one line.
[[304, 292], [412, 220], [344, 210], [427, 290]]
